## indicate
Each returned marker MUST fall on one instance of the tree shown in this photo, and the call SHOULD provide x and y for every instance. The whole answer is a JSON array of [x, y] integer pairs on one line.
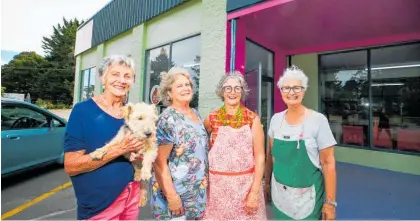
[[60, 46], [59, 50], [50, 78], [160, 64], [196, 79], [22, 72]]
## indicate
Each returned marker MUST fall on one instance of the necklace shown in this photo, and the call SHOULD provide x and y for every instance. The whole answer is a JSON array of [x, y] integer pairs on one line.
[[107, 105], [237, 119]]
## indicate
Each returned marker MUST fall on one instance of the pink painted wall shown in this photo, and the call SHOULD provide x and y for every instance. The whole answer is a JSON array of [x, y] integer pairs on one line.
[[307, 26], [370, 42], [302, 26], [239, 47], [280, 61]]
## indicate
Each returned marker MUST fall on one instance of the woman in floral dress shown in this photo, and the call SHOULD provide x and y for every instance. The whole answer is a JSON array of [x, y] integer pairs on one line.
[[179, 182], [236, 157]]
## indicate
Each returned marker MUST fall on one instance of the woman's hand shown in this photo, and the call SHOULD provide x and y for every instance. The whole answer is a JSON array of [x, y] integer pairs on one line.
[[175, 205], [328, 212], [252, 202], [131, 144]]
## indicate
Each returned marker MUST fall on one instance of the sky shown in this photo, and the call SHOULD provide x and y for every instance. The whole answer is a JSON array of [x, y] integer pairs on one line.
[[25, 22]]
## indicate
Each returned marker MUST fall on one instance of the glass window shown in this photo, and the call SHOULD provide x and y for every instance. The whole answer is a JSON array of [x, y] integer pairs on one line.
[[57, 123], [88, 83], [395, 75], [18, 118], [387, 118], [258, 54], [184, 53], [345, 96], [157, 62]]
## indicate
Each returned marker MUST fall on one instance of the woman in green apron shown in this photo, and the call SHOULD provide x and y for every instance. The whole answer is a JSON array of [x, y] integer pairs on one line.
[[301, 176]]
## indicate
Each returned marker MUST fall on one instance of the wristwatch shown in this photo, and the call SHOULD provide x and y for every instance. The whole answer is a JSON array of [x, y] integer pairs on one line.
[[331, 203]]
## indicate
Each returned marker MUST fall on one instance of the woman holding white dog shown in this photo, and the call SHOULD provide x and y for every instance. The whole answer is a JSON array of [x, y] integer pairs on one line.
[[179, 182], [236, 157], [104, 188]]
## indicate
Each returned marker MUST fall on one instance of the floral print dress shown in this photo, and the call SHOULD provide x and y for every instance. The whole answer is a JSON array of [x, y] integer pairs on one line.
[[188, 164]]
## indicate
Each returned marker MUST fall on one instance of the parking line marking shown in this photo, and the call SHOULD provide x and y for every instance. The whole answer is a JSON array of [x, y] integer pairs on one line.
[[34, 201]]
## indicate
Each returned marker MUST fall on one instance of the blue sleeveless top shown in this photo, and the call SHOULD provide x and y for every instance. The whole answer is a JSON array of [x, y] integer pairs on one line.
[[89, 128]]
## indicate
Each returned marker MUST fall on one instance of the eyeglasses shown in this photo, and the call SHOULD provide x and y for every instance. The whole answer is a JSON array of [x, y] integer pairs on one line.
[[296, 89], [229, 89]]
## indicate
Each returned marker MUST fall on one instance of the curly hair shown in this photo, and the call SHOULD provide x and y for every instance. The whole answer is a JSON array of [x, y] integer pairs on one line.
[[232, 75], [167, 79]]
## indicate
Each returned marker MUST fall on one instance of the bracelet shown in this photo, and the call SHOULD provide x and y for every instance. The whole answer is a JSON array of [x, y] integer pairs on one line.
[[331, 203]]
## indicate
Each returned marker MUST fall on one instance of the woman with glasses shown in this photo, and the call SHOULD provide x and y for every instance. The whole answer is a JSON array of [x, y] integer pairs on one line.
[[236, 156], [300, 159]]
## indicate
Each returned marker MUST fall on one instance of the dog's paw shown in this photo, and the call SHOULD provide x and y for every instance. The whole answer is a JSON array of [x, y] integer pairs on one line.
[[97, 155]]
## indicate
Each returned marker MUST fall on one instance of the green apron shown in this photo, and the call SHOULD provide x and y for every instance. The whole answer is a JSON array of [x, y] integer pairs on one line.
[[297, 185]]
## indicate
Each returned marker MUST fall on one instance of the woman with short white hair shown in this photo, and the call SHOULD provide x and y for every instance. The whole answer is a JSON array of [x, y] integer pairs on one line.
[[300, 159], [105, 189]]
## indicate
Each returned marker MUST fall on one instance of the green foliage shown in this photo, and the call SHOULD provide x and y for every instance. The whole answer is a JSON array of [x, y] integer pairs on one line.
[[22, 72], [3, 89], [50, 78], [196, 69], [49, 105], [60, 46]]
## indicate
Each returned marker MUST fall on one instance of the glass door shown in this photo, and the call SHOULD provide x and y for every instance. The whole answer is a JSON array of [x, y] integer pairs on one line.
[[259, 74]]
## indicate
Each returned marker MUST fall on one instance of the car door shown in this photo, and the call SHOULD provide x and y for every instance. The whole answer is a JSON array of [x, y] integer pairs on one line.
[[26, 137], [56, 142]]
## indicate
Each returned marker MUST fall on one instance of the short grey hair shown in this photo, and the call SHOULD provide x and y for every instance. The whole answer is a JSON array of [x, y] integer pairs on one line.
[[115, 59], [233, 75], [295, 73], [166, 81]]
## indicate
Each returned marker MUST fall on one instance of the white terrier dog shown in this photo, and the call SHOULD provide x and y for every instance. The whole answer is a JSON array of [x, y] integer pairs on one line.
[[140, 119]]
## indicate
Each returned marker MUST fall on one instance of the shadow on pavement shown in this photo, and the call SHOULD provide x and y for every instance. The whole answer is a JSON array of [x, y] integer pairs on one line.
[[27, 175]]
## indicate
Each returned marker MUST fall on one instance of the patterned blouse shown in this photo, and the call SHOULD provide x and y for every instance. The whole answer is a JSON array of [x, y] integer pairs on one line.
[[215, 122], [188, 163]]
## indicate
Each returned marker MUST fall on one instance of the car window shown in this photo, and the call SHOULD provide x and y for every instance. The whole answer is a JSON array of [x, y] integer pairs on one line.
[[18, 118], [58, 123]]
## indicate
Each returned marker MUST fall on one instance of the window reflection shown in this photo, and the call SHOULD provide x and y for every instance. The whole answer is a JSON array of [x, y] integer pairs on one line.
[[184, 53], [345, 96], [394, 97], [88, 83]]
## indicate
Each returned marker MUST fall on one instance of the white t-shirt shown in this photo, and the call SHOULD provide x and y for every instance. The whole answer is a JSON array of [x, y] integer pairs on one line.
[[315, 129]]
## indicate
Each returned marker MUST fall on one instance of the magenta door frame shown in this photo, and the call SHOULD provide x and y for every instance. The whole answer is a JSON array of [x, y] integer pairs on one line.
[[255, 8], [241, 34]]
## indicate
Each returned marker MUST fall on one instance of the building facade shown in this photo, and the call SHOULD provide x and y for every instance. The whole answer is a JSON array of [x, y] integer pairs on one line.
[[362, 59]]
